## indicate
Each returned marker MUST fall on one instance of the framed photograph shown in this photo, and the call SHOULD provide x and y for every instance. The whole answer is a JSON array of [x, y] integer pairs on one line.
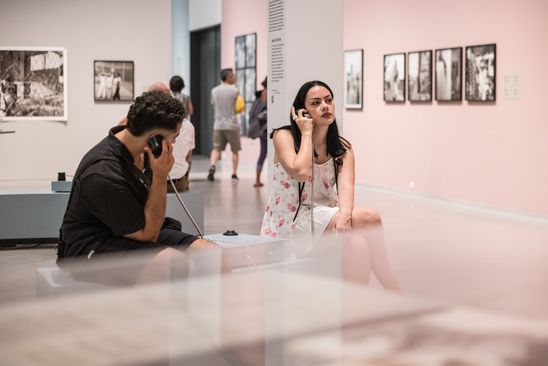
[[250, 50], [245, 60], [353, 79], [33, 84], [113, 81], [419, 76], [239, 49], [481, 73], [449, 74], [394, 77]]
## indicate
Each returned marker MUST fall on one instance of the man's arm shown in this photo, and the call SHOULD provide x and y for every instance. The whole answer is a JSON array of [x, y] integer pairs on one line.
[[155, 208]]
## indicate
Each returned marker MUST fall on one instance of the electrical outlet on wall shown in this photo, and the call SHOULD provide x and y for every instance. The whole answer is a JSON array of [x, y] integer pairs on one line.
[[411, 185]]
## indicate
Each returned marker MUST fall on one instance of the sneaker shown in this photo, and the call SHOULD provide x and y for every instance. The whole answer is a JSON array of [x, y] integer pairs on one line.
[[211, 174], [235, 177]]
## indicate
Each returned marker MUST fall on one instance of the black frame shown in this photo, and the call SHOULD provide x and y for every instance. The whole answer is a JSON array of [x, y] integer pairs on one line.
[[127, 82], [420, 97], [359, 104], [472, 87], [456, 66], [402, 87]]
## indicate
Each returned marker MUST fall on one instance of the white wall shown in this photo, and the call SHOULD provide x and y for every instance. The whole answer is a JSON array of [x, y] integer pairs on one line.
[[204, 13], [137, 30]]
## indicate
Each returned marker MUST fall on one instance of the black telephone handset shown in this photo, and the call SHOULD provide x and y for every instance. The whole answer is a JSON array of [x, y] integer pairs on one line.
[[155, 143]]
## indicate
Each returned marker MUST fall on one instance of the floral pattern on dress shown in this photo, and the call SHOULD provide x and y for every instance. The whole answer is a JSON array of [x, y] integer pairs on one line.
[[283, 201]]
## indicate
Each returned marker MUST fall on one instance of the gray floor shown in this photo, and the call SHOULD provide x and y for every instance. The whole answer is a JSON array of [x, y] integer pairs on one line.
[[438, 249]]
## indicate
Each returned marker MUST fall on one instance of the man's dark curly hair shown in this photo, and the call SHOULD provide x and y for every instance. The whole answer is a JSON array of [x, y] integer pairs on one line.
[[152, 110]]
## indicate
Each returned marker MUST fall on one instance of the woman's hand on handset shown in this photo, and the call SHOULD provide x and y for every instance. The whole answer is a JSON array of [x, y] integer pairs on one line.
[[303, 120]]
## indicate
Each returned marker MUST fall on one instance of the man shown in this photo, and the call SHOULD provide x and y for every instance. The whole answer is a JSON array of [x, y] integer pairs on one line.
[[226, 128], [118, 198]]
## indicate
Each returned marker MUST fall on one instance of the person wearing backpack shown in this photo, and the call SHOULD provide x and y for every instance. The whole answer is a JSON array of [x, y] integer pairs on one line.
[[257, 128]]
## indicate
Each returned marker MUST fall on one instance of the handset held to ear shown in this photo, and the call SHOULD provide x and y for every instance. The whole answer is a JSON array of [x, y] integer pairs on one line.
[[305, 113], [155, 144]]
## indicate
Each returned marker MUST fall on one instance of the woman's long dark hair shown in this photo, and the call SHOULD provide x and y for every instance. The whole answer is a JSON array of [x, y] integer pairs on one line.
[[336, 144]]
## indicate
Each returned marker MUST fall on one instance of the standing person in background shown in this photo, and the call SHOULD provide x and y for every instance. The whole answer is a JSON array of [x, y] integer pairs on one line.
[[226, 128], [176, 85], [182, 147], [185, 143], [257, 128]]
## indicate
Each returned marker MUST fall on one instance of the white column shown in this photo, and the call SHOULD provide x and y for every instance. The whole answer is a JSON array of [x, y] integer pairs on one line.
[[180, 41], [304, 43]]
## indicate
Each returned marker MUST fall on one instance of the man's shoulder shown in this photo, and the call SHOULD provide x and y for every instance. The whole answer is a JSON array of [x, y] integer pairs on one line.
[[99, 159], [225, 87]]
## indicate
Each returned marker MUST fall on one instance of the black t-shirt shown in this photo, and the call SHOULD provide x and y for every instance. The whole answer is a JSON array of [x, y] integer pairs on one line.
[[107, 201]]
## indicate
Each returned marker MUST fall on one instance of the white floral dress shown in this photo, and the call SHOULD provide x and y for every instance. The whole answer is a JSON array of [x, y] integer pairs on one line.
[[284, 202]]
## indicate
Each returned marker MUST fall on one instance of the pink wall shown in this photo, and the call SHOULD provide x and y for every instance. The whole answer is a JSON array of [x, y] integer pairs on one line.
[[241, 17], [489, 155]]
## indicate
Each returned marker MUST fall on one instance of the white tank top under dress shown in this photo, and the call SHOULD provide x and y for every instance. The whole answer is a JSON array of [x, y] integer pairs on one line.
[[284, 201]]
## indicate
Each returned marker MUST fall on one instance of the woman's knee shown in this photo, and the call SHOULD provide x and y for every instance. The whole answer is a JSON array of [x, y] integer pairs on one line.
[[366, 217]]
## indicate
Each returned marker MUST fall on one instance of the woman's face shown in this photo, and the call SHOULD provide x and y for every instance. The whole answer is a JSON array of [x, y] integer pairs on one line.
[[319, 105]]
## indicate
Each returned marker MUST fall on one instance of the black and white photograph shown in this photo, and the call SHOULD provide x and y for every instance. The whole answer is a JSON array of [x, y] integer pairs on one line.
[[481, 73], [33, 83], [419, 76], [449, 74], [250, 79], [239, 48], [353, 79], [245, 57], [394, 77], [113, 81], [250, 52]]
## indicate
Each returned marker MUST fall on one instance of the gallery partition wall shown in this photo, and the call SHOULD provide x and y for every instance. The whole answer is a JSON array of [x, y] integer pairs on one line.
[[205, 64]]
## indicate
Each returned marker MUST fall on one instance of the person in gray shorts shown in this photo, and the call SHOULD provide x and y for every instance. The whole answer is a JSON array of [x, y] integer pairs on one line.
[[226, 128]]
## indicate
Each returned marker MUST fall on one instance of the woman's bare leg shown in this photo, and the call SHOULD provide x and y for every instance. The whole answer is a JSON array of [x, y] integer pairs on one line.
[[355, 255], [369, 224]]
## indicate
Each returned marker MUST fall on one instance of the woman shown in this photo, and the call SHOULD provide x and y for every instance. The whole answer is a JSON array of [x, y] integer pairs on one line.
[[257, 128], [176, 85], [313, 130]]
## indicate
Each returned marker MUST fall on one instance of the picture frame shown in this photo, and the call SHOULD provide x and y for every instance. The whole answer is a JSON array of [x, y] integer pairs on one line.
[[245, 62], [394, 78], [353, 79], [419, 76], [33, 84], [481, 73], [448, 74], [113, 81]]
